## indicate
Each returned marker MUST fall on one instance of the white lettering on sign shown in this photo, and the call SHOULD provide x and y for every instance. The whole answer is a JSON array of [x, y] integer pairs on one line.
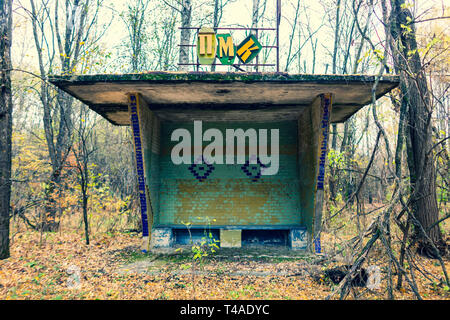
[[235, 140]]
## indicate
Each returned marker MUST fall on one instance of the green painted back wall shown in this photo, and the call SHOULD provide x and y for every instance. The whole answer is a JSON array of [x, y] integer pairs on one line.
[[228, 196]]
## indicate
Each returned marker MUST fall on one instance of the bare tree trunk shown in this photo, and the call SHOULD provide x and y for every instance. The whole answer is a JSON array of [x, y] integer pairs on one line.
[[291, 39], [83, 151], [84, 195], [186, 16], [332, 182], [135, 22], [336, 36], [255, 18], [6, 107], [69, 43], [414, 89], [215, 23]]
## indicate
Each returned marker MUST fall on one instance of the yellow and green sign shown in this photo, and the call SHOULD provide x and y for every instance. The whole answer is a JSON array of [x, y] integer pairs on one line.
[[206, 46], [225, 51], [248, 49]]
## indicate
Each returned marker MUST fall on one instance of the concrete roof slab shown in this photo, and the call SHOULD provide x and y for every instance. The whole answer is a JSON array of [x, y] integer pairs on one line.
[[222, 96]]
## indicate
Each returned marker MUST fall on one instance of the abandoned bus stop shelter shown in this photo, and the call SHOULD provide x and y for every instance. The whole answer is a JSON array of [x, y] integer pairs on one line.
[[234, 201]]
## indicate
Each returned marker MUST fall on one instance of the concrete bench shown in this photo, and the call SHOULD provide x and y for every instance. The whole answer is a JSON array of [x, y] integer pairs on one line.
[[229, 236]]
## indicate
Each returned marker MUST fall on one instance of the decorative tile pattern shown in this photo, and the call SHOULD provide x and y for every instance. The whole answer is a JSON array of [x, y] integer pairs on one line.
[[134, 113], [317, 245], [325, 124], [253, 171], [228, 194], [201, 169]]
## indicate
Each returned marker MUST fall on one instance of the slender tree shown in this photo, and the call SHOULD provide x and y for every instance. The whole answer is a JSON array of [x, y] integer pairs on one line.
[[332, 182], [185, 37], [417, 100], [185, 11], [6, 107], [215, 23], [134, 19], [82, 151], [63, 40], [219, 5]]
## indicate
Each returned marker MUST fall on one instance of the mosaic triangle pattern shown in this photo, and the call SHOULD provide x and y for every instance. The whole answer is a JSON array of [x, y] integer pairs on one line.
[[201, 169], [253, 171]]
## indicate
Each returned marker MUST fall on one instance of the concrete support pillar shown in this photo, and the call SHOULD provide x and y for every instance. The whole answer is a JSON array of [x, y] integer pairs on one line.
[[141, 124], [323, 114], [313, 130], [162, 238], [298, 239]]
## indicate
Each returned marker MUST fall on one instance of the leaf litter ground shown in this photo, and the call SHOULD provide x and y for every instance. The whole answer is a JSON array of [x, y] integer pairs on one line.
[[112, 267]]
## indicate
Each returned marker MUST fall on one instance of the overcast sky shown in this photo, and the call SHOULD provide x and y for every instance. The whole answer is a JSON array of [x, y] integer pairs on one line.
[[237, 12]]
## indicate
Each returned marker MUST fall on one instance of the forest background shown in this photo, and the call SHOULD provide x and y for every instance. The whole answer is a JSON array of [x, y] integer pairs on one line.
[[66, 172]]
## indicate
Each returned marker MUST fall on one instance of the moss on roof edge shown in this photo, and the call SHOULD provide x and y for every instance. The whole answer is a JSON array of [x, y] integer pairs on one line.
[[160, 76]]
